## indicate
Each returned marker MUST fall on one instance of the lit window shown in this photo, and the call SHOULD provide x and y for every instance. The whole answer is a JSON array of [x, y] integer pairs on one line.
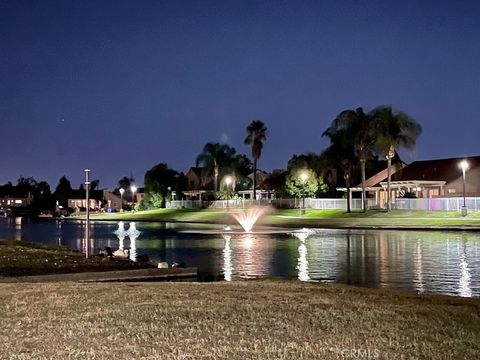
[[18, 201], [452, 191]]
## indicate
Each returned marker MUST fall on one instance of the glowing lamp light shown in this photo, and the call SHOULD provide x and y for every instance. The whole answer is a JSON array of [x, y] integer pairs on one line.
[[304, 176], [133, 189], [464, 165]]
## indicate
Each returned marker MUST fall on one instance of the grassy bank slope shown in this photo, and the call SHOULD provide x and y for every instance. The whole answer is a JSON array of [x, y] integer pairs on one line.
[[20, 258], [313, 218], [239, 320]]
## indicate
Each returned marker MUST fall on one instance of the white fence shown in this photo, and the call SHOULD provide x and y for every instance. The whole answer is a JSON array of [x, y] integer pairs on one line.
[[431, 204]]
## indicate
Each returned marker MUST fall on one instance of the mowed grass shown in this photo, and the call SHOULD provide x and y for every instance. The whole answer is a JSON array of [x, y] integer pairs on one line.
[[239, 320], [182, 215], [312, 218]]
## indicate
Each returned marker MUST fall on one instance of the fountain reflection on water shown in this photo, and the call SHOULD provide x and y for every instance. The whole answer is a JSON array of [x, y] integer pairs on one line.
[[121, 234], [227, 258], [302, 265]]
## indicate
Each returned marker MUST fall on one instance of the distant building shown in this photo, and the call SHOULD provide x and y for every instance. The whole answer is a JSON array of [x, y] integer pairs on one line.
[[15, 198], [440, 177], [195, 180], [98, 199], [425, 179]]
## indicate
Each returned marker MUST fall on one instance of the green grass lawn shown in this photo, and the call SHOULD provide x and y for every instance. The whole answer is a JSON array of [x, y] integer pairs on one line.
[[312, 218], [237, 320]]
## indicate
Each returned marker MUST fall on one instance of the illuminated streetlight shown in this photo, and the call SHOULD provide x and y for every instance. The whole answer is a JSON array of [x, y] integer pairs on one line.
[[304, 178], [228, 181], [121, 190], [133, 188], [87, 229], [464, 166]]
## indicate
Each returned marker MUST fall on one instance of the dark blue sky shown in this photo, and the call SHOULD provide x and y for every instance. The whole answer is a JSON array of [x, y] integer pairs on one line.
[[120, 86]]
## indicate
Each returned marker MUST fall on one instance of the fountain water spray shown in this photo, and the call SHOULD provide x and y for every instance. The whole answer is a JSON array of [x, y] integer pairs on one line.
[[247, 218]]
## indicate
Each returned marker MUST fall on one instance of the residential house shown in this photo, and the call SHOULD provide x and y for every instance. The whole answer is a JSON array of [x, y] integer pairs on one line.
[[15, 198], [98, 199], [197, 186], [425, 179]]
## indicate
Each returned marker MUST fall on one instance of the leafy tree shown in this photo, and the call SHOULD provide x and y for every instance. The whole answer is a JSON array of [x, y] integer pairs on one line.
[[27, 184], [64, 187], [213, 157], [124, 183], [276, 182], [256, 135], [297, 186], [63, 190], [160, 180]]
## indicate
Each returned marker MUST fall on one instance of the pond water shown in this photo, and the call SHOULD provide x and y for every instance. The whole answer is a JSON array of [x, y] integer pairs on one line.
[[430, 262]]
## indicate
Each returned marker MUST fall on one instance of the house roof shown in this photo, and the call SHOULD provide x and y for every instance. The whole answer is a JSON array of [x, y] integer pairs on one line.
[[80, 194], [435, 170], [196, 170]]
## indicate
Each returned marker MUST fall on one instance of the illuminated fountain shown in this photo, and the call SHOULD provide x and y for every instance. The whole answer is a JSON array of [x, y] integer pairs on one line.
[[247, 218]]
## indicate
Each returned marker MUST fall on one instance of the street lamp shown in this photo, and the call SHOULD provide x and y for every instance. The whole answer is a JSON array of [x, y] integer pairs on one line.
[[87, 200], [121, 190], [304, 178], [133, 188], [228, 181], [464, 166]]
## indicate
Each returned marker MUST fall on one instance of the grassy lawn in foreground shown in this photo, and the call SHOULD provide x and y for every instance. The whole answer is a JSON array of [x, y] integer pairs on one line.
[[237, 320]]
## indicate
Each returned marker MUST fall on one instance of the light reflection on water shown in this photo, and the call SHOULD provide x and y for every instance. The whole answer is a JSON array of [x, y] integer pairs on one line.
[[430, 262]]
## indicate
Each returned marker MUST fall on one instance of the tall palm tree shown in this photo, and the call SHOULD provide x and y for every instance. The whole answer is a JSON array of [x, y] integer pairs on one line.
[[340, 151], [393, 130], [213, 157], [256, 135], [357, 127]]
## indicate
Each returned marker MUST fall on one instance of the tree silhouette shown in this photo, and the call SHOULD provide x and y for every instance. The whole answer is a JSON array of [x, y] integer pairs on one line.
[[213, 157], [393, 130], [353, 130], [256, 135]]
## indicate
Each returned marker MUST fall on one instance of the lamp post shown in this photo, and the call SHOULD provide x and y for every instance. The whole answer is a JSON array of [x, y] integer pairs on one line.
[[304, 178], [464, 166], [87, 206], [121, 190], [133, 188], [228, 181]]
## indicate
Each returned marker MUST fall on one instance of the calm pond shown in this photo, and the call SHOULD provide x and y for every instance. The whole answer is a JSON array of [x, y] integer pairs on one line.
[[431, 262]]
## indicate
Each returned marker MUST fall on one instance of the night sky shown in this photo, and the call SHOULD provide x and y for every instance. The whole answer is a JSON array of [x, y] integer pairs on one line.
[[119, 86]]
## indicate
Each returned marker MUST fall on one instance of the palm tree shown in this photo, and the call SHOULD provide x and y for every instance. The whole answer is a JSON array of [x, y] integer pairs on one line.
[[256, 135], [213, 157], [357, 127], [340, 151], [393, 130]]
